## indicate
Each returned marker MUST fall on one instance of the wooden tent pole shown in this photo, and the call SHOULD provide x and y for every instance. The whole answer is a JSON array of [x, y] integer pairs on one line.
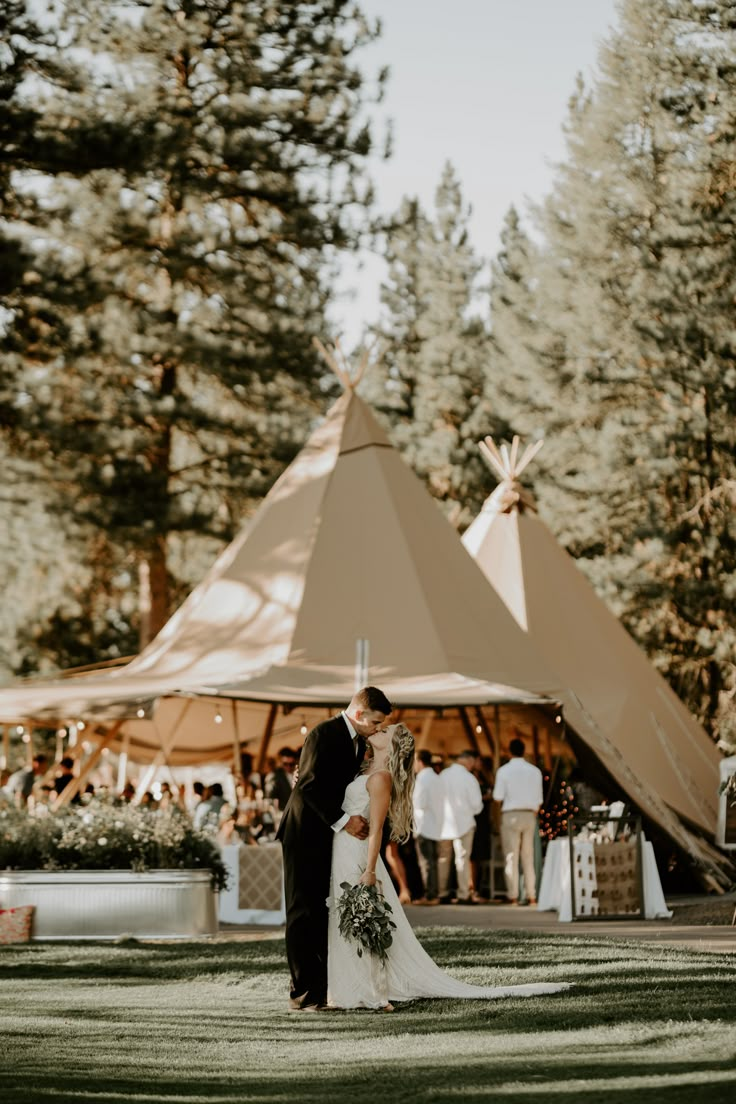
[[146, 778], [123, 764], [166, 745], [237, 750], [426, 728], [469, 730], [265, 739], [492, 744]]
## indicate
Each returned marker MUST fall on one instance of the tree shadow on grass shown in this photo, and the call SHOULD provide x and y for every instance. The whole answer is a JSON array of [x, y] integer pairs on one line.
[[399, 1082]]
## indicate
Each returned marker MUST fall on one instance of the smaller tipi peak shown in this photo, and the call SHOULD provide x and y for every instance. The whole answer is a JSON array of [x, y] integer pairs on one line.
[[349, 375], [508, 464]]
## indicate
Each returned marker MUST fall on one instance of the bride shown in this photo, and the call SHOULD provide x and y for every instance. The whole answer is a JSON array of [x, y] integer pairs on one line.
[[385, 788]]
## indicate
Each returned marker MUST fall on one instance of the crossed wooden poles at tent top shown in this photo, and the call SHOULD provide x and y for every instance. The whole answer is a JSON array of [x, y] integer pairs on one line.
[[505, 462], [348, 376]]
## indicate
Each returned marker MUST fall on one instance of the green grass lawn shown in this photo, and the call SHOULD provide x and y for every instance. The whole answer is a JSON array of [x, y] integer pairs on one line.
[[208, 1022]]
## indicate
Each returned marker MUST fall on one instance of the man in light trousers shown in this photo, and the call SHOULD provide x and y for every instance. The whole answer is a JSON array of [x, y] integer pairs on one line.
[[462, 801], [518, 793]]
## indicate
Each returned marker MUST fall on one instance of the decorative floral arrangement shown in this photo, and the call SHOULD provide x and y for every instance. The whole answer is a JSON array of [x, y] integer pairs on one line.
[[363, 914], [106, 836]]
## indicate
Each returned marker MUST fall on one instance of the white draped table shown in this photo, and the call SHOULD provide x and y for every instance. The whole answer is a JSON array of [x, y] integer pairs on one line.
[[255, 893], [554, 889]]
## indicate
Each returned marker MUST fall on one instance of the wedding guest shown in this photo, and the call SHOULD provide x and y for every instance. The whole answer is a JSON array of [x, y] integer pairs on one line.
[[461, 801], [518, 795], [127, 793], [480, 856], [207, 813], [428, 809], [280, 782], [65, 775], [20, 784], [396, 867]]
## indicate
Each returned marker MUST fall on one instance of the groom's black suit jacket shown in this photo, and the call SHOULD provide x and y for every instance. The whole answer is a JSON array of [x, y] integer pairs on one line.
[[328, 763]]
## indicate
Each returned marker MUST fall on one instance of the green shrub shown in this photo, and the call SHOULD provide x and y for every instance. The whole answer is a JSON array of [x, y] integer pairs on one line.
[[105, 836]]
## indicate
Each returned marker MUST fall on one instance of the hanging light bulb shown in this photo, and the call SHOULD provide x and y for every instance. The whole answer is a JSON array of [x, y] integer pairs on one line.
[[303, 729], [26, 737], [81, 725], [218, 717], [140, 713], [478, 729], [61, 733], [558, 719], [20, 730]]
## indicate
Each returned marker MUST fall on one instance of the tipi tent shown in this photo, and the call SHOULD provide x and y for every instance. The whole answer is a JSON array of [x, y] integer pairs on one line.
[[616, 701], [348, 545]]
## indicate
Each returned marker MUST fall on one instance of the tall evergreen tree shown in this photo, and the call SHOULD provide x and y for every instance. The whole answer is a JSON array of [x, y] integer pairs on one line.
[[201, 163], [634, 291], [435, 347]]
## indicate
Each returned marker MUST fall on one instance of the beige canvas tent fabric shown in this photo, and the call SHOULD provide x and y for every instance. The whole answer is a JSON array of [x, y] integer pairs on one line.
[[348, 544], [615, 700]]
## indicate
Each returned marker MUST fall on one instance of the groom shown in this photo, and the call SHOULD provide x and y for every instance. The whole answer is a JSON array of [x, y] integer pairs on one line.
[[330, 758]]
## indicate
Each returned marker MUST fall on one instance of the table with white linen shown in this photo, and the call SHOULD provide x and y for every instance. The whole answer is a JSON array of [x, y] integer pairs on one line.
[[554, 890], [255, 892]]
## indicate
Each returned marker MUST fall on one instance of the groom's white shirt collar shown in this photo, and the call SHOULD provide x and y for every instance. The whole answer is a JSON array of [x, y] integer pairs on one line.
[[349, 723]]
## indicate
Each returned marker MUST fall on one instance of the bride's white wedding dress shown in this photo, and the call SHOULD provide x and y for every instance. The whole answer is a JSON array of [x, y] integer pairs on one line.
[[362, 982]]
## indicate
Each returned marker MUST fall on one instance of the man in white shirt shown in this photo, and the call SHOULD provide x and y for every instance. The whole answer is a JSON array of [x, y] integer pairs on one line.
[[428, 808], [462, 801], [518, 793]]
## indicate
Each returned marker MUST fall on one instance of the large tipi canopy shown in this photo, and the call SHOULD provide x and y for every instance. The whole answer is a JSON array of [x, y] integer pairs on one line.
[[347, 546], [615, 700]]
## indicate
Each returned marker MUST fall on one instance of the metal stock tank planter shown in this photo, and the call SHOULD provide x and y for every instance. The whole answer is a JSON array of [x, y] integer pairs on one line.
[[105, 871], [97, 904]]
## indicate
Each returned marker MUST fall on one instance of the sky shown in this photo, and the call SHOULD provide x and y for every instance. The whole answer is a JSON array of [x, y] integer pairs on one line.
[[484, 84]]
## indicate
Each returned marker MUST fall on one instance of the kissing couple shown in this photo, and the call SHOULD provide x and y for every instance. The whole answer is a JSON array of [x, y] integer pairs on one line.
[[356, 771]]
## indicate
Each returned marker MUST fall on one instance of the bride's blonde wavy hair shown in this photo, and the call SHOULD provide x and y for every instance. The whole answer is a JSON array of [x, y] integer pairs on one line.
[[400, 763]]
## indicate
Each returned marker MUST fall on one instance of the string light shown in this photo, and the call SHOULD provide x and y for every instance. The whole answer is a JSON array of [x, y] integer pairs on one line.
[[20, 730], [81, 726], [558, 719], [303, 729], [478, 729], [218, 718], [26, 737], [140, 713], [61, 733]]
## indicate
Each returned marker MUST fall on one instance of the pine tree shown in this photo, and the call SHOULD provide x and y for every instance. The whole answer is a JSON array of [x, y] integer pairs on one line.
[[634, 296], [200, 166], [435, 348]]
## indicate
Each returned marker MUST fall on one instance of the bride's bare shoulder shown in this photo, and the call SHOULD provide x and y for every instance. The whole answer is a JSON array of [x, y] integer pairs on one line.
[[379, 780]]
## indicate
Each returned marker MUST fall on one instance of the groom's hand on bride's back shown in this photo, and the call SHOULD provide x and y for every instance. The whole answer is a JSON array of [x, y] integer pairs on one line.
[[357, 826]]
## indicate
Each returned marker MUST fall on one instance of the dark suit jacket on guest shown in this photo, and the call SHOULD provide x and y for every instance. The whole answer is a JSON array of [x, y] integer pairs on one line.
[[277, 787]]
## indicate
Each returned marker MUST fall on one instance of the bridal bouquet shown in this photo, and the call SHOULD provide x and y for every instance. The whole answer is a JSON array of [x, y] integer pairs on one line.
[[364, 919]]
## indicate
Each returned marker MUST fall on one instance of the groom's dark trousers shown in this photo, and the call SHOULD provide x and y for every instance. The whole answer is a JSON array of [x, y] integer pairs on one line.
[[328, 763]]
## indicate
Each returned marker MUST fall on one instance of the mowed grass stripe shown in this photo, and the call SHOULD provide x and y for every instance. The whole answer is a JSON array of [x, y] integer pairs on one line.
[[190, 1022]]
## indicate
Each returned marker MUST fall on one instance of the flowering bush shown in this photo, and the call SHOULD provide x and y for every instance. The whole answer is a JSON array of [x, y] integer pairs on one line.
[[104, 836], [364, 919]]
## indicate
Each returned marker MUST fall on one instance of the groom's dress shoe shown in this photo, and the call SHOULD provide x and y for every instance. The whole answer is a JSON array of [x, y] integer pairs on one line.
[[295, 1006]]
